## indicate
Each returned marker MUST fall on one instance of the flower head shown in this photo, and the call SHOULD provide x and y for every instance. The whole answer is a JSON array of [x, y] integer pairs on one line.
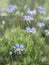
[[31, 30], [0, 10], [18, 12], [28, 18], [40, 24], [47, 32], [9, 10], [41, 10], [13, 6], [18, 48], [31, 12]]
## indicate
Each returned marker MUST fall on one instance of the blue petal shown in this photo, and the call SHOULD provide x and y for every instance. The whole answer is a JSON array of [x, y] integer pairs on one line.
[[28, 29], [21, 46], [17, 45], [14, 47]]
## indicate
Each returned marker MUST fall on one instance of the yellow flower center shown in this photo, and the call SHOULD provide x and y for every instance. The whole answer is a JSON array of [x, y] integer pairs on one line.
[[30, 30], [18, 49]]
